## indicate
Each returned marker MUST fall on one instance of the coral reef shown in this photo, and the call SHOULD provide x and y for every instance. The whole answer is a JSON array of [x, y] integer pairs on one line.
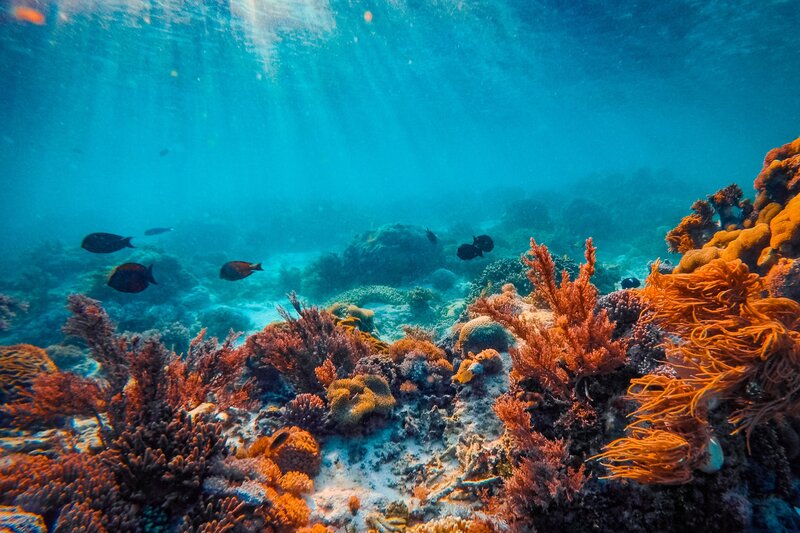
[[306, 411], [299, 346], [579, 342], [9, 308], [479, 334], [351, 400], [20, 365], [292, 449]]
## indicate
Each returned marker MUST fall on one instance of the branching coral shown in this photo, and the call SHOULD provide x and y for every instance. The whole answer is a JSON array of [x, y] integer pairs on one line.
[[298, 346], [306, 411], [154, 457], [579, 342], [542, 473]]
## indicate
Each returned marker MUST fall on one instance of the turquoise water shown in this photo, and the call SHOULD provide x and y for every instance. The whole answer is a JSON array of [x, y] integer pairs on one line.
[[275, 110]]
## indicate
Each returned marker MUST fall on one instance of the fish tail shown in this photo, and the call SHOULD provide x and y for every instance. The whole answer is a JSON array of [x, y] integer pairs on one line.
[[150, 277], [127, 241], [257, 266]]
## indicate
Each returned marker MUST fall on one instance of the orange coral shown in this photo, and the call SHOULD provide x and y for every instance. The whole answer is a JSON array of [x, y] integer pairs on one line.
[[19, 366], [292, 449], [694, 230], [779, 179], [353, 503], [488, 361], [400, 348], [785, 227], [731, 338], [578, 344]]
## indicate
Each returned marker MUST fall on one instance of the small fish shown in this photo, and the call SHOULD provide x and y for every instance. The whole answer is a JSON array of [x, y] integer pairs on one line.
[[131, 277], [630, 283], [483, 242], [468, 251], [28, 14], [279, 438], [157, 231], [105, 243], [431, 236], [163, 152], [236, 270]]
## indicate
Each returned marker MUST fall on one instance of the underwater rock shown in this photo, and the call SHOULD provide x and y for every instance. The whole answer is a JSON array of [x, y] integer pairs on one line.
[[498, 273], [443, 279], [392, 254]]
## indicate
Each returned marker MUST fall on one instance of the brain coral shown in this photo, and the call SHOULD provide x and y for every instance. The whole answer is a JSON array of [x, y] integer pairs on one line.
[[481, 333], [353, 399], [19, 365]]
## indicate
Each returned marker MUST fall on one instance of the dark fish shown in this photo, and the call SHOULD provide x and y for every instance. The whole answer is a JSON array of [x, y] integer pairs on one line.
[[236, 270], [630, 283], [468, 251], [131, 277], [163, 152], [431, 236], [279, 438], [483, 242], [105, 243], [157, 231]]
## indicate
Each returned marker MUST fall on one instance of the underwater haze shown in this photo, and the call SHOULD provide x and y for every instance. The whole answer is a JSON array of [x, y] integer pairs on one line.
[[267, 104], [421, 266]]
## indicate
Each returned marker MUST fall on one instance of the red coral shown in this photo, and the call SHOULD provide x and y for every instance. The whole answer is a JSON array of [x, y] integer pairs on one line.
[[542, 472], [211, 372], [298, 346], [577, 345], [57, 395]]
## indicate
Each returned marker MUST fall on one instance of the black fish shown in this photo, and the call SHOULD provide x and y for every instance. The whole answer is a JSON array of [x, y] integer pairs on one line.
[[163, 152], [131, 277], [431, 236], [105, 243], [630, 283], [236, 270], [157, 231], [483, 242], [468, 251], [279, 438]]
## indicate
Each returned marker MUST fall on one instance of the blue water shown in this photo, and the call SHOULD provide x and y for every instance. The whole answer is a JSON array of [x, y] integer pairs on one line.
[[264, 128]]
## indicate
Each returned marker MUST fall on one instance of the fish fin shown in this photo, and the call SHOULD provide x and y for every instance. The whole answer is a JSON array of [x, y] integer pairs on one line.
[[480, 252], [150, 277], [127, 241], [256, 266]]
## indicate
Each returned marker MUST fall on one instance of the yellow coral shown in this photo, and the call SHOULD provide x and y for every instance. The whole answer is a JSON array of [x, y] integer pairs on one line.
[[351, 400], [748, 245], [19, 365], [786, 228], [489, 361], [296, 483], [694, 259]]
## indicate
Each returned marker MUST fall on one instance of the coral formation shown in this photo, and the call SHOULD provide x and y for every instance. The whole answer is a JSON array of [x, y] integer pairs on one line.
[[579, 342], [481, 333], [306, 411], [20, 365], [299, 346], [351, 400], [291, 449]]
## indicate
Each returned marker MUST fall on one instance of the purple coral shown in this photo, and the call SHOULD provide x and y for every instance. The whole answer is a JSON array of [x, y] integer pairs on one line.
[[623, 308], [306, 411]]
